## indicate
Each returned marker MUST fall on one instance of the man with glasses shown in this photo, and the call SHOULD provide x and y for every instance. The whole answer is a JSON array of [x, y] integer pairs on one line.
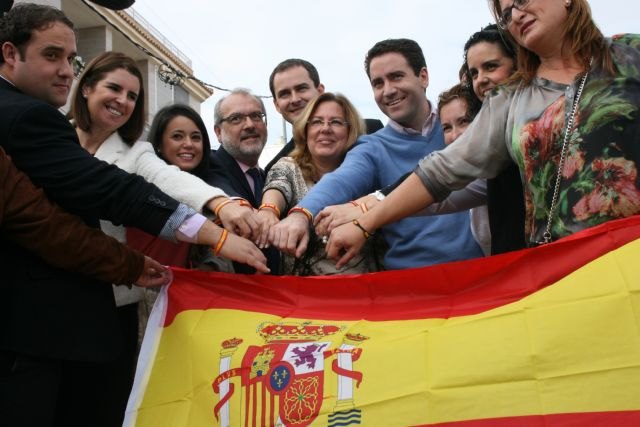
[[240, 123], [398, 75]]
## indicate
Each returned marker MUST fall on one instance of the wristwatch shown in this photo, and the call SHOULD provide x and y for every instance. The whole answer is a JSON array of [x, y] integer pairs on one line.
[[379, 195]]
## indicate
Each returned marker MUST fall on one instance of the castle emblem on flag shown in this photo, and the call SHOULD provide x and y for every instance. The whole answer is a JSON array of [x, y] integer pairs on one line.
[[283, 380]]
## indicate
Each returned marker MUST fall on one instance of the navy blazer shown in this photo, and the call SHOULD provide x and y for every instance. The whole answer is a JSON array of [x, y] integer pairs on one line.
[[225, 173], [45, 311]]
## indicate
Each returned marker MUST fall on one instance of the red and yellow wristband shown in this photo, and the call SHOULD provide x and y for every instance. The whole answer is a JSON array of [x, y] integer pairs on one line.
[[271, 206], [223, 238], [306, 212]]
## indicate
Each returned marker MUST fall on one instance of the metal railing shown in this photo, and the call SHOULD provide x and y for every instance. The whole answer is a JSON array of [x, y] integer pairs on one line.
[[158, 35]]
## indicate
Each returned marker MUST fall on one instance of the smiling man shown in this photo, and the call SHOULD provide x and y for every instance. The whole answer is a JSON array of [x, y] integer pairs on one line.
[[293, 83], [398, 75], [240, 124]]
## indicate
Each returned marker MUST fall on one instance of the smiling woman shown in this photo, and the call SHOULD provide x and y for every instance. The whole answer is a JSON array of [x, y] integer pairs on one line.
[[108, 109], [327, 127]]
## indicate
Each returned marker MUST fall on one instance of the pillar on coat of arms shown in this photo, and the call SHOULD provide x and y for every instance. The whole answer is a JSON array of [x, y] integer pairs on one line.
[[228, 348]]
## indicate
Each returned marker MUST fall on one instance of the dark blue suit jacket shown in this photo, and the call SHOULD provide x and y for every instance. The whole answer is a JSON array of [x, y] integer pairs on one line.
[[226, 174]]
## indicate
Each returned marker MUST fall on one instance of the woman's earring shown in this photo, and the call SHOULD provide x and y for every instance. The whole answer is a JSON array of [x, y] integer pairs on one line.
[[567, 3]]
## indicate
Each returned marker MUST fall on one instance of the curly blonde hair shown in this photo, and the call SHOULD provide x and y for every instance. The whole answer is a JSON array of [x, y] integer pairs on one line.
[[301, 153]]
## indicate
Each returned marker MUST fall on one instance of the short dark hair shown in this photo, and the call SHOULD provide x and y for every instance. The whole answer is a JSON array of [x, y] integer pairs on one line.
[[92, 74], [18, 24], [405, 47], [291, 63], [159, 126]]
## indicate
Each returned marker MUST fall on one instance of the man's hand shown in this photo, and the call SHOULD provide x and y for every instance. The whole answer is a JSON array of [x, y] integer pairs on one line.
[[345, 242], [291, 235], [153, 274]]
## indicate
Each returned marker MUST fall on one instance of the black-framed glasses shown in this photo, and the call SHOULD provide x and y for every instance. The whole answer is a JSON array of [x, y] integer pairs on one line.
[[318, 123], [237, 118], [507, 14]]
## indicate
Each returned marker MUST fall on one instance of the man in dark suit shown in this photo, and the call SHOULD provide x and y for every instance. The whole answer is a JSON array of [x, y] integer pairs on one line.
[[240, 123], [59, 333], [293, 83]]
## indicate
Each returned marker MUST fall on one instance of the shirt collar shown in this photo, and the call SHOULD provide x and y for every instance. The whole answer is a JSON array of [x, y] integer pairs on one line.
[[7, 80], [243, 166], [427, 127]]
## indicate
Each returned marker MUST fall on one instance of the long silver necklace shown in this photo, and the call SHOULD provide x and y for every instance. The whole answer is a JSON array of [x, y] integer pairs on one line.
[[546, 236]]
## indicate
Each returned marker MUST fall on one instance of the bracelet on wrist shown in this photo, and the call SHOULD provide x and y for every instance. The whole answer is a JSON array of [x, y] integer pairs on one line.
[[365, 233], [240, 200], [221, 205], [243, 202], [223, 238], [362, 206], [300, 209], [271, 206]]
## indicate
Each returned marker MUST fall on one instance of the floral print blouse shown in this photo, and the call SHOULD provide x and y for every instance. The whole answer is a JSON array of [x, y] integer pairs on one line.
[[600, 176]]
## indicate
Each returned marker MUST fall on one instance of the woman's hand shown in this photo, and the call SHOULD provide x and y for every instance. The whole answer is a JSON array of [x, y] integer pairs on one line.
[[291, 235], [345, 242], [334, 216], [267, 218], [241, 250]]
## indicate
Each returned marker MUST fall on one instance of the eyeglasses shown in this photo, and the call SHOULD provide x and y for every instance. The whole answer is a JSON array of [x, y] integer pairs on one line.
[[505, 18], [237, 118], [319, 123]]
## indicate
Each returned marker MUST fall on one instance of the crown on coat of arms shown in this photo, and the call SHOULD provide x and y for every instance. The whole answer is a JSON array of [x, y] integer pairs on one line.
[[305, 331], [231, 343], [356, 337]]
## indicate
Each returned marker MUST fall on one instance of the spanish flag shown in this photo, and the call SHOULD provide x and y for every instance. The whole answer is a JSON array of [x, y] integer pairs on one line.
[[548, 336]]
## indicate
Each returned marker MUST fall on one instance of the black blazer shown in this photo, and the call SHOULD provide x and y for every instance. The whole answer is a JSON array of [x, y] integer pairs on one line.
[[225, 173], [46, 311]]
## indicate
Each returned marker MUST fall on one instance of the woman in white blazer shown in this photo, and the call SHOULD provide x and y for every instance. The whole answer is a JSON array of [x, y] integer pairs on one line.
[[107, 108]]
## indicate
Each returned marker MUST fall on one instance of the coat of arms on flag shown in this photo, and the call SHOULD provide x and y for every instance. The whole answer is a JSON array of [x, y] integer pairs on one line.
[[283, 380], [546, 337]]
